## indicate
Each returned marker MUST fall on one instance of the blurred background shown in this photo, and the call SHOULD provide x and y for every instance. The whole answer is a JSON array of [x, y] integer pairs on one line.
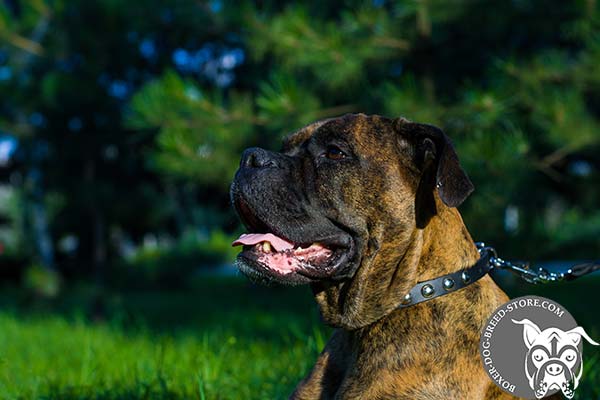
[[121, 126]]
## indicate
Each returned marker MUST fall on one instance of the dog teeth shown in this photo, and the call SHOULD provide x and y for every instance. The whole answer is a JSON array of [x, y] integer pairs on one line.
[[267, 247]]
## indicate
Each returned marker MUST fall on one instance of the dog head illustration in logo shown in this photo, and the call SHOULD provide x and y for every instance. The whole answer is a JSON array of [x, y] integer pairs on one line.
[[553, 360]]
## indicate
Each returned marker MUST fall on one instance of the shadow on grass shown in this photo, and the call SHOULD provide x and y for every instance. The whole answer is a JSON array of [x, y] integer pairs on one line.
[[232, 303], [213, 304]]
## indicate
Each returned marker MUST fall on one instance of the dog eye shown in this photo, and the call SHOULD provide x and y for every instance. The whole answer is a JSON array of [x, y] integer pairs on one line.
[[334, 153]]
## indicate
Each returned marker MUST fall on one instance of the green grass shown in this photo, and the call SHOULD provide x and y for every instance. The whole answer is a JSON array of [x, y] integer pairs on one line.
[[226, 339]]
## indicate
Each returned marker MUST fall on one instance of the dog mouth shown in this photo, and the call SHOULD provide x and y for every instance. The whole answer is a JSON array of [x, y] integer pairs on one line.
[[267, 257], [275, 251]]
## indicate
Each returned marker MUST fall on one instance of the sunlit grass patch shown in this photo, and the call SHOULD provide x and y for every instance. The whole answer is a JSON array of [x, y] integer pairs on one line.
[[55, 358]]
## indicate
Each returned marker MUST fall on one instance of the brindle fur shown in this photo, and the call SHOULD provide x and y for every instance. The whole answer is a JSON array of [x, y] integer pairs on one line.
[[409, 234]]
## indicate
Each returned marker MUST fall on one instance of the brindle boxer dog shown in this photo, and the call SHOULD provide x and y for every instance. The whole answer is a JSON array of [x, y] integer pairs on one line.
[[362, 208]]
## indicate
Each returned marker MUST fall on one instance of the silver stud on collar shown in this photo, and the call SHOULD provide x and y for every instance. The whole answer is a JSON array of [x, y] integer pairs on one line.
[[427, 290], [407, 299], [466, 277], [448, 283]]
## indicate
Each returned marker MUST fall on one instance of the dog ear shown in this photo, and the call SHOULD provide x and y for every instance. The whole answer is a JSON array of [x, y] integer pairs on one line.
[[440, 168], [577, 333], [530, 331]]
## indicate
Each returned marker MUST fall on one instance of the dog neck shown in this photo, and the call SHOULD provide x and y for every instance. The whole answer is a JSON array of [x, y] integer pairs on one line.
[[447, 246], [390, 268]]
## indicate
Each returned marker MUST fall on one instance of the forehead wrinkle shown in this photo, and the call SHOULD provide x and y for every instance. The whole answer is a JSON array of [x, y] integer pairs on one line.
[[348, 125], [295, 139]]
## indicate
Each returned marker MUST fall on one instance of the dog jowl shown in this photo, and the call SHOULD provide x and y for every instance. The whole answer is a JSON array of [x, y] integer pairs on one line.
[[553, 360], [361, 208]]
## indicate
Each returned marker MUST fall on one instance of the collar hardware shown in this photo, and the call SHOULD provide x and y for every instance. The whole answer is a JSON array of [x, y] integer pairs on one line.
[[488, 260]]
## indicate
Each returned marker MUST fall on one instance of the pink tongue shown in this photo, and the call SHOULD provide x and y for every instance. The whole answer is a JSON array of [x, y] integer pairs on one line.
[[250, 239]]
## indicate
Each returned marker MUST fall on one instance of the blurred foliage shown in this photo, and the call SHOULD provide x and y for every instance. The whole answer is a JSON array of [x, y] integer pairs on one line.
[[198, 136], [173, 264], [42, 282], [12, 238], [130, 116], [523, 112]]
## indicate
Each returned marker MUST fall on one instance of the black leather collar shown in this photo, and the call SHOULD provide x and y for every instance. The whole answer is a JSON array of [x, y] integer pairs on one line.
[[447, 284], [455, 281]]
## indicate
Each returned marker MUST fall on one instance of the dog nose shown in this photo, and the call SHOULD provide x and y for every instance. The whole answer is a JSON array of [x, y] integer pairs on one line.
[[554, 369], [255, 157]]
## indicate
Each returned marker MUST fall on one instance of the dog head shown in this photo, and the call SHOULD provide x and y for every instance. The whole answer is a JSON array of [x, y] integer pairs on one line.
[[340, 192], [553, 360]]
